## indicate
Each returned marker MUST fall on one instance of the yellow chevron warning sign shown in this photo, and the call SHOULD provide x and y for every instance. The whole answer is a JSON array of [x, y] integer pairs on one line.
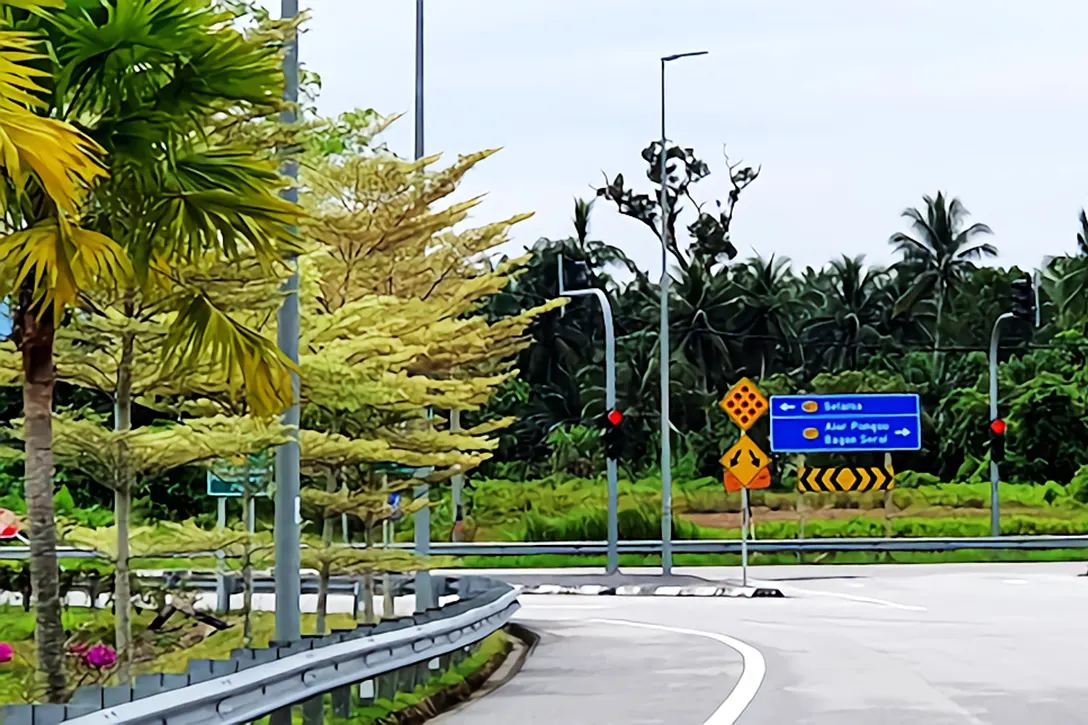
[[854, 478]]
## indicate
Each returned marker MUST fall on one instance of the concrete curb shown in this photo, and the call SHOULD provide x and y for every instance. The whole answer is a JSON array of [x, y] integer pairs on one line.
[[654, 590]]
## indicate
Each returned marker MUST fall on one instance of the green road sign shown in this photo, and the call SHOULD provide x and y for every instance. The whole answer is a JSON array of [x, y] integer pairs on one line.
[[402, 470], [227, 479]]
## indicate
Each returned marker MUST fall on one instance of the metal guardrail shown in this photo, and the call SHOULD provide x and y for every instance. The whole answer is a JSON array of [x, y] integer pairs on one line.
[[257, 682], [732, 546], [707, 546]]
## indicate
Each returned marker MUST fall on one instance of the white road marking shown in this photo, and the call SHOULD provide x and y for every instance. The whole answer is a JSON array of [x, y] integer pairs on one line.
[[531, 605], [755, 668], [854, 598]]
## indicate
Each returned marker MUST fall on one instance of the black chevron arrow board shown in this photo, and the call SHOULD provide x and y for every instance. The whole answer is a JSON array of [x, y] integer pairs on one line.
[[854, 478]]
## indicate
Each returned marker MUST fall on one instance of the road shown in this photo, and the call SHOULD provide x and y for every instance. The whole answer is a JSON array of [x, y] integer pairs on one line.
[[993, 644]]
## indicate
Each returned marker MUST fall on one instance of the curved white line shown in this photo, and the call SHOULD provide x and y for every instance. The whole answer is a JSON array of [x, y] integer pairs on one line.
[[755, 668]]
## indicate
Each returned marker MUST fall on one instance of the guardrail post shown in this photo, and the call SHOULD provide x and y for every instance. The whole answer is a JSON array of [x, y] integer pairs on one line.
[[313, 711], [341, 702], [387, 685]]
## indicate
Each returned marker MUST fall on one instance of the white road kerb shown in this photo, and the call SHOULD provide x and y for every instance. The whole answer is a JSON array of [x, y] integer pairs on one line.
[[755, 668]]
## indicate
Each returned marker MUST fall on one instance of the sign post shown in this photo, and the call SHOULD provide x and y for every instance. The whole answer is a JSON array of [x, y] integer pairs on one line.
[[744, 537], [746, 465]]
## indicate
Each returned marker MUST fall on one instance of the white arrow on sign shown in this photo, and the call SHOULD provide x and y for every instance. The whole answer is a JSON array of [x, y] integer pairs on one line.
[[787, 406], [903, 432]]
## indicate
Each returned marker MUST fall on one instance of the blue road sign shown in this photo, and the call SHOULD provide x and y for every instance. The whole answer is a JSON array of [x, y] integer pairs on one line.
[[845, 423]]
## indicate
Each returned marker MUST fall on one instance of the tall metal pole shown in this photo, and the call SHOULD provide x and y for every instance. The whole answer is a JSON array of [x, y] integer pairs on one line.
[[288, 514], [611, 465], [663, 340], [663, 343], [424, 591], [287, 518], [995, 512]]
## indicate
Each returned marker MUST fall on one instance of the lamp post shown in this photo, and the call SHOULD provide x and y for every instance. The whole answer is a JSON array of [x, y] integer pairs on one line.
[[422, 535], [288, 516], [663, 339]]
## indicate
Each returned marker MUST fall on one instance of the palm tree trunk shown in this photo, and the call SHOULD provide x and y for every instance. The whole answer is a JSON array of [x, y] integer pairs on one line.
[[122, 510], [39, 377]]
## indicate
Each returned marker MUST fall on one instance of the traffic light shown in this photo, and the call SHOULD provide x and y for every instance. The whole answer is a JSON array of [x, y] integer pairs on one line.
[[576, 275], [1023, 299], [613, 434], [997, 440]]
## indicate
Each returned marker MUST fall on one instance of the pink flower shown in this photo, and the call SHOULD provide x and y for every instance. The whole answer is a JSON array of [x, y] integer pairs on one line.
[[100, 656], [78, 648], [7, 653]]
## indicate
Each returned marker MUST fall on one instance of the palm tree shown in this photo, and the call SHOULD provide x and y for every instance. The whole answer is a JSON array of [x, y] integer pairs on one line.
[[48, 167], [152, 83], [853, 299], [768, 306], [942, 251]]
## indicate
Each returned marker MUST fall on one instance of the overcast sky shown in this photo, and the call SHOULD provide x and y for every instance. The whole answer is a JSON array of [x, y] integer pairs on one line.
[[854, 108]]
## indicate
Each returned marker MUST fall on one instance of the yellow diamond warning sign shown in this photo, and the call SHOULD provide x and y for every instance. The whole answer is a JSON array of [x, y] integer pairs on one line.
[[745, 460], [744, 403]]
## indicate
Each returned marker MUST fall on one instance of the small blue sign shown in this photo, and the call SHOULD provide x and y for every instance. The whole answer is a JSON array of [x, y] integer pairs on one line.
[[846, 423], [394, 500]]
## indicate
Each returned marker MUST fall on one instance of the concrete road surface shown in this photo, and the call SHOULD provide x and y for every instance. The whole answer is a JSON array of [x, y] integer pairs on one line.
[[994, 644]]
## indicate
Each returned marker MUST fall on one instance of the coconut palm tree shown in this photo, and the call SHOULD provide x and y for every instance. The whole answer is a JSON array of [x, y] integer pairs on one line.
[[150, 84], [768, 305], [938, 255], [853, 301]]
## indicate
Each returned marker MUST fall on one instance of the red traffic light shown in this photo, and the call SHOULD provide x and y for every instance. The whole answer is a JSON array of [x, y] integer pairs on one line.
[[615, 417], [997, 426]]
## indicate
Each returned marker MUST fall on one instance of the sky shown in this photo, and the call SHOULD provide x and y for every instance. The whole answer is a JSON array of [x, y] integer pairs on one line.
[[854, 109]]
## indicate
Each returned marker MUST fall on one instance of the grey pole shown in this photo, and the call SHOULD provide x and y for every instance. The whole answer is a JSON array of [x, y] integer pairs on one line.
[[663, 341], [611, 464], [288, 515], [222, 599], [287, 518], [744, 536], [995, 513], [424, 591]]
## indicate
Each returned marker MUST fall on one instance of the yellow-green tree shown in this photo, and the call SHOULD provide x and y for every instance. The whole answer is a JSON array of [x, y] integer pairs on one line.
[[392, 326]]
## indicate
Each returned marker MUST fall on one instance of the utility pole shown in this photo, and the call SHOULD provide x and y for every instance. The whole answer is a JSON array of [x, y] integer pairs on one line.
[[610, 404], [663, 338], [424, 591], [288, 514]]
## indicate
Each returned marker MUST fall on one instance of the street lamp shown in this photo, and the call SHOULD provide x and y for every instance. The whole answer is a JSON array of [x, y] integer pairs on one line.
[[287, 520], [422, 533], [663, 341], [287, 504]]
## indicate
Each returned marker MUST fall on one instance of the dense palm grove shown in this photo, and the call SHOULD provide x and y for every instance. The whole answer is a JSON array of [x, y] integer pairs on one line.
[[920, 325]]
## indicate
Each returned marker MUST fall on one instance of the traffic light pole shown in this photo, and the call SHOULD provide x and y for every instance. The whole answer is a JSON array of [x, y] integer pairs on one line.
[[613, 564], [995, 511]]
